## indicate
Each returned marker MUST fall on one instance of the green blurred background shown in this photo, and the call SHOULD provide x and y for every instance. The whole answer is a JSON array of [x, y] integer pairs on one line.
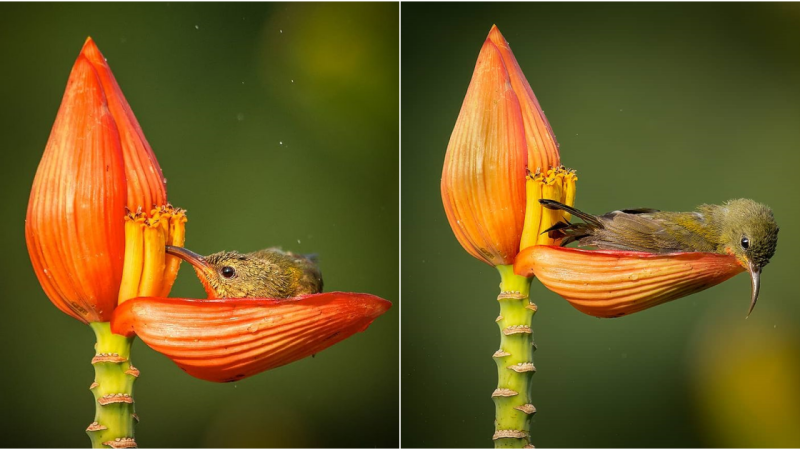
[[275, 124], [656, 105]]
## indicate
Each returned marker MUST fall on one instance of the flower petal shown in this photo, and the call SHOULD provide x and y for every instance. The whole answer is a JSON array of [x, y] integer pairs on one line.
[[229, 339], [483, 180], [74, 226], [605, 283]]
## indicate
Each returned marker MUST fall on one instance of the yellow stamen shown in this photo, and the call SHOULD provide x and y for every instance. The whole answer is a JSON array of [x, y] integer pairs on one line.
[[533, 211], [568, 195], [147, 270], [558, 184], [176, 237], [551, 189], [134, 255], [164, 219], [154, 255]]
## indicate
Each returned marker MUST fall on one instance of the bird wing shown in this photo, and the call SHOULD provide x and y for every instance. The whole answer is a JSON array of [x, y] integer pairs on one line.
[[637, 229], [624, 231], [653, 232], [586, 217]]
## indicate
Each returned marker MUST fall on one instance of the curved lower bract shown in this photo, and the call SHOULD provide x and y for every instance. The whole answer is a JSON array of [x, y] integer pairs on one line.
[[605, 283], [226, 340]]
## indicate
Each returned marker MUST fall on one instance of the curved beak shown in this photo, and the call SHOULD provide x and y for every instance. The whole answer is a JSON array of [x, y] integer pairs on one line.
[[199, 263], [755, 277]]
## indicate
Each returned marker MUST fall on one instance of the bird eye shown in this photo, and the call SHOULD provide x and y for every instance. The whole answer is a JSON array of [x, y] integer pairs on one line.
[[228, 271], [745, 243]]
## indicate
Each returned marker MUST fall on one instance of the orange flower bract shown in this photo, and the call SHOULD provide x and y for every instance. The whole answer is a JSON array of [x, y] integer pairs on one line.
[[96, 163], [605, 283], [500, 133], [231, 339]]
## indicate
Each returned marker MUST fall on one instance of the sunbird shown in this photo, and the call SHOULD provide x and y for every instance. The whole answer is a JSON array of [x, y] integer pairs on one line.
[[742, 228], [268, 273]]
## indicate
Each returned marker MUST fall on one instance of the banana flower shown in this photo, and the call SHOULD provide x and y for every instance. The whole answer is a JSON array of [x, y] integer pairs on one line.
[[97, 227], [501, 160]]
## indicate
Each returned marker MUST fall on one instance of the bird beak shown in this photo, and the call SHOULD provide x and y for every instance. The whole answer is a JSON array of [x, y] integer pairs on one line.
[[197, 261], [755, 277]]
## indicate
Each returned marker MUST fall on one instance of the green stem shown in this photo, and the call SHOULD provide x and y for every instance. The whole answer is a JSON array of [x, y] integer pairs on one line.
[[512, 399], [113, 390]]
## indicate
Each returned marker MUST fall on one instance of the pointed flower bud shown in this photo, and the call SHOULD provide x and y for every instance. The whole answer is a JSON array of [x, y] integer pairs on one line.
[[605, 283], [96, 163], [541, 141], [500, 135], [226, 340]]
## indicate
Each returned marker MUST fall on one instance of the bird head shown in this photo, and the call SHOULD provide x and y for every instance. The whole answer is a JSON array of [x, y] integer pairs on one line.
[[749, 232], [267, 273]]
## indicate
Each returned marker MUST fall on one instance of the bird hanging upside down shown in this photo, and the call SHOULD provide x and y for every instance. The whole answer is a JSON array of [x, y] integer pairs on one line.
[[268, 273], [742, 228]]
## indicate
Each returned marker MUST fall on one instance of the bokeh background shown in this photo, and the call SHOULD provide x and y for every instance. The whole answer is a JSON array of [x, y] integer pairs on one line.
[[657, 105], [275, 124]]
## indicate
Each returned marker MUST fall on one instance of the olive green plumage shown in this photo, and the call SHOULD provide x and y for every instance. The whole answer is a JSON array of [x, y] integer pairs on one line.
[[268, 273], [742, 228]]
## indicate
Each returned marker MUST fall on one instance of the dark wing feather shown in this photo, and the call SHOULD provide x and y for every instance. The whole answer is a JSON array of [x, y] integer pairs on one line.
[[633, 232], [588, 218], [639, 211], [646, 232]]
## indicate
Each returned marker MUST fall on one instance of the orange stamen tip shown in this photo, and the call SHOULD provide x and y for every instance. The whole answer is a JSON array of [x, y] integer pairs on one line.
[[604, 283]]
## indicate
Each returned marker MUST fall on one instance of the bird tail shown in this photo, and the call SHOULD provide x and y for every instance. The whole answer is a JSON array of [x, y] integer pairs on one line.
[[588, 218]]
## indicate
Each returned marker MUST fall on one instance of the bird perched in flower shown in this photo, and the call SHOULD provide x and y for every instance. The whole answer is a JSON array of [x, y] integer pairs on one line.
[[268, 273], [742, 228]]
